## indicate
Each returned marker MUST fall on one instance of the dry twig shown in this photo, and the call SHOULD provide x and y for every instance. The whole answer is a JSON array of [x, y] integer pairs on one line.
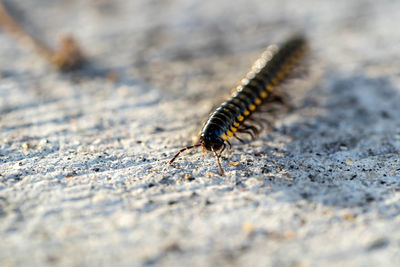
[[67, 56]]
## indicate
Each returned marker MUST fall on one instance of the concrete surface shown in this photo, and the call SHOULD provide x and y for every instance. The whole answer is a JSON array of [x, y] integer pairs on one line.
[[84, 179]]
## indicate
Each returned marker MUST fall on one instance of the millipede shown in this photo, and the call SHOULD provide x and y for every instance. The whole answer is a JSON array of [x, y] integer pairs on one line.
[[256, 89]]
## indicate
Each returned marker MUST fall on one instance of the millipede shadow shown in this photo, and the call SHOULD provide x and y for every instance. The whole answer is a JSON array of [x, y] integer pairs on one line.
[[351, 139]]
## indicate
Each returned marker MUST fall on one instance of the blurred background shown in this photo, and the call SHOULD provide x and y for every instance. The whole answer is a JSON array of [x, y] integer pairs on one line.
[[149, 39], [83, 152], [177, 45]]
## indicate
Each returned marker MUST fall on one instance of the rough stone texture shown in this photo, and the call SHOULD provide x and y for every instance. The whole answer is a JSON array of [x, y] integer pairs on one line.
[[84, 179]]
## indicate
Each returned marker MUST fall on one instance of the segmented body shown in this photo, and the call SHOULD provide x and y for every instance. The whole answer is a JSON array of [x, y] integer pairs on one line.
[[253, 91]]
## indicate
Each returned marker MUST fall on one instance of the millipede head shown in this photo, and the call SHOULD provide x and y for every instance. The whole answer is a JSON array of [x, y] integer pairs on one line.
[[211, 141]]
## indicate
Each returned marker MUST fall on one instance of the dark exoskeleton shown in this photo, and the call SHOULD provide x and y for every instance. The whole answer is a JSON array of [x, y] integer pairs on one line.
[[255, 90]]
